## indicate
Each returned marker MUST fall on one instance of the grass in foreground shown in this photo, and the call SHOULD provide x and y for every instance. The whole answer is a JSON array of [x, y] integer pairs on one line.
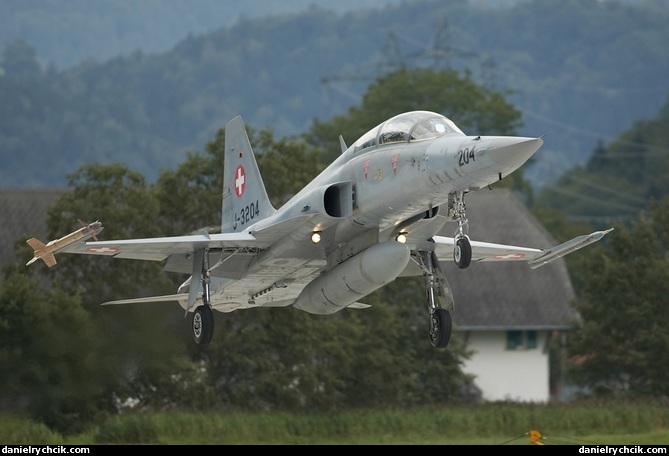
[[490, 424]]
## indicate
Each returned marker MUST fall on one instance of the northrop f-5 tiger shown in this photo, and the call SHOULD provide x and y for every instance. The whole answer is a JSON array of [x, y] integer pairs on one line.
[[371, 216]]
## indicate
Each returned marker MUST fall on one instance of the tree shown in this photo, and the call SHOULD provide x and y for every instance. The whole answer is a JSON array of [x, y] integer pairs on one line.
[[49, 351], [619, 180], [137, 342], [108, 192], [395, 363], [19, 61], [623, 343]]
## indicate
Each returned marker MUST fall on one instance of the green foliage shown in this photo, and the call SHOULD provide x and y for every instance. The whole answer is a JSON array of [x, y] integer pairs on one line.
[[618, 181], [286, 165], [585, 423], [577, 424], [20, 61], [282, 359], [17, 430], [130, 429], [623, 344], [48, 354], [140, 349], [190, 197], [614, 187], [108, 192], [369, 358]]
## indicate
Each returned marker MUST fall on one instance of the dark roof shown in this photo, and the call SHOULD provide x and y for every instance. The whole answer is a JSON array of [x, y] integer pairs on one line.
[[508, 295], [488, 296], [24, 213]]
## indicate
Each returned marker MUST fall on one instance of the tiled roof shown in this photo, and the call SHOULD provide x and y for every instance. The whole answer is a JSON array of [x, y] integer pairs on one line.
[[488, 296], [509, 295]]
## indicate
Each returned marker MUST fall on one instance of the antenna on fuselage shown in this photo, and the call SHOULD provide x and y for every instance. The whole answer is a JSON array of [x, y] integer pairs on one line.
[[342, 143]]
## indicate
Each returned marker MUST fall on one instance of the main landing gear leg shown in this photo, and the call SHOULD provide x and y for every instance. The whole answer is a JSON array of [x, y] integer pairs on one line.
[[203, 317], [462, 251], [439, 301]]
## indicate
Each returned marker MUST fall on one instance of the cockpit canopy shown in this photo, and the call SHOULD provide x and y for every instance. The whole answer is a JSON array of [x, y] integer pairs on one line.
[[409, 126]]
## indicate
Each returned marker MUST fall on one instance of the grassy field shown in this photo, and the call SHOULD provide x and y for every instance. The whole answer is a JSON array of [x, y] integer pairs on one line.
[[492, 424]]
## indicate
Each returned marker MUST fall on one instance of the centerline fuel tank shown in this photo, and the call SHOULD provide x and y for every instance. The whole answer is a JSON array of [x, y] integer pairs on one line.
[[354, 278]]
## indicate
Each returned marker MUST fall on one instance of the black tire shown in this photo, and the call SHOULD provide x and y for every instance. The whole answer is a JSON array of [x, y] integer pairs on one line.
[[462, 253], [203, 325], [441, 327]]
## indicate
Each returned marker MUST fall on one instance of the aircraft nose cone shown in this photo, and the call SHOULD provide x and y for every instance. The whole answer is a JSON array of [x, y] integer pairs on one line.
[[513, 151]]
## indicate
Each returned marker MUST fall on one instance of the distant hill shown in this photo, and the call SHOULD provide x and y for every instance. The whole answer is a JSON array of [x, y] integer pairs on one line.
[[581, 71], [67, 32]]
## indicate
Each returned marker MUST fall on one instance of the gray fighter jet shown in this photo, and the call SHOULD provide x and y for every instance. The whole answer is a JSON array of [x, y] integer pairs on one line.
[[370, 217]]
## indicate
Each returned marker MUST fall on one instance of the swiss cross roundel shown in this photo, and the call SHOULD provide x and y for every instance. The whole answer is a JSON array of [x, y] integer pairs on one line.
[[240, 181]]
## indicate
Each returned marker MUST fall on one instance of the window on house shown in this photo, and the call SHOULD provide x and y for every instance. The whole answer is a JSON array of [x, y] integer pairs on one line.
[[521, 340]]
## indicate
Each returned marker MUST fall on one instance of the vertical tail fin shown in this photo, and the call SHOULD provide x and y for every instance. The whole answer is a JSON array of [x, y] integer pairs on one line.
[[245, 199]]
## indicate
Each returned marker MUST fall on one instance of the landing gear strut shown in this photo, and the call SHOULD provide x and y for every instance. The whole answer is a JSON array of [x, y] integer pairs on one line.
[[439, 300], [462, 251], [203, 317]]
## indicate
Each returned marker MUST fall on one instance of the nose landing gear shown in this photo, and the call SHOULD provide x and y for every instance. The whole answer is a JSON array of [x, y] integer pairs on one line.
[[462, 251]]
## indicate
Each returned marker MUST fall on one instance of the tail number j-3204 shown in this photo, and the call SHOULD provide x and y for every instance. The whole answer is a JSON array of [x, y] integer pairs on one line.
[[465, 156], [246, 214]]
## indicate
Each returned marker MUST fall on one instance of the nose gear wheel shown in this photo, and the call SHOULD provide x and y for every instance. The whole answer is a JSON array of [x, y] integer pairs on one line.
[[462, 250]]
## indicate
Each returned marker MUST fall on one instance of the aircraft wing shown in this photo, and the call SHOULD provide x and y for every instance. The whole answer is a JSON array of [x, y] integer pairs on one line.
[[487, 251], [160, 248]]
